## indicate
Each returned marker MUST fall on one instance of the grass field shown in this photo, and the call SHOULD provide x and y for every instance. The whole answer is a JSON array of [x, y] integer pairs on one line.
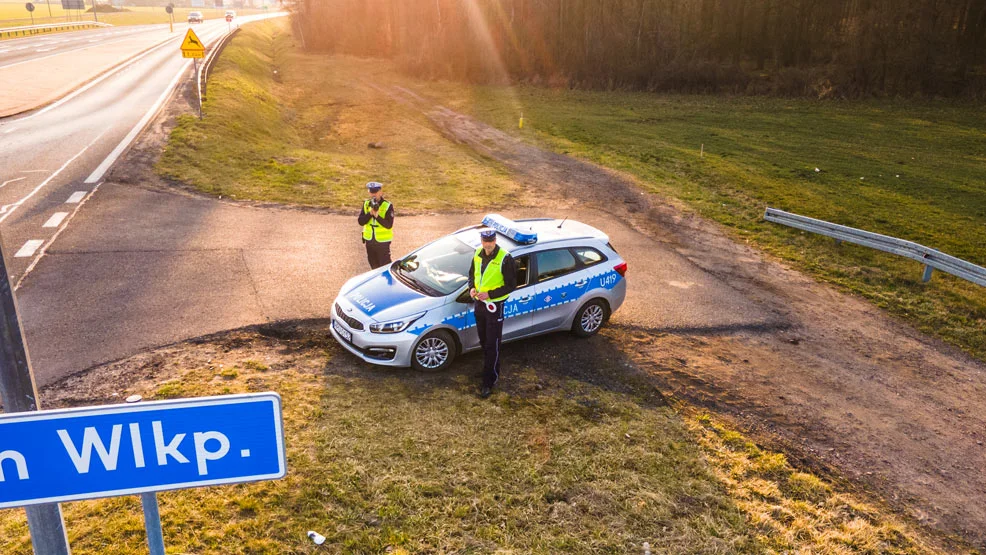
[[914, 170], [399, 462], [282, 126], [14, 14]]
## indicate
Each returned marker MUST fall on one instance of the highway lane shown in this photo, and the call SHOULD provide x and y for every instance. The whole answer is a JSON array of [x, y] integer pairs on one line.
[[35, 49], [48, 157]]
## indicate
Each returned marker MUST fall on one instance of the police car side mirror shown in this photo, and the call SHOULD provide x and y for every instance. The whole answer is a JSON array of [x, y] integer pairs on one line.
[[464, 297]]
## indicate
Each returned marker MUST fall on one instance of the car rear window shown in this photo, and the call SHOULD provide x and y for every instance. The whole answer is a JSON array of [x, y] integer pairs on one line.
[[588, 256], [554, 263]]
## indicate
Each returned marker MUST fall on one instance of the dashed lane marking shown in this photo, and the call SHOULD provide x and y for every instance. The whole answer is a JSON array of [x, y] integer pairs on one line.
[[56, 219], [29, 248], [55, 236], [8, 209], [76, 197]]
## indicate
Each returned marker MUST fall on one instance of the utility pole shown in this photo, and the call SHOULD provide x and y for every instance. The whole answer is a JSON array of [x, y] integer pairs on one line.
[[18, 393]]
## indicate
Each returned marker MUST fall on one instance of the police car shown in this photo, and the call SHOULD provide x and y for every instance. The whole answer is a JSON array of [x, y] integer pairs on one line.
[[417, 312]]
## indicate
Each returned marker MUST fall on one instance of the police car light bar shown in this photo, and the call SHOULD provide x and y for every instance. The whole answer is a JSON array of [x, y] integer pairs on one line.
[[510, 229]]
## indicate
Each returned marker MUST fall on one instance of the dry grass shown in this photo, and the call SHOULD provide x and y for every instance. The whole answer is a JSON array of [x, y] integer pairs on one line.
[[791, 511], [391, 460]]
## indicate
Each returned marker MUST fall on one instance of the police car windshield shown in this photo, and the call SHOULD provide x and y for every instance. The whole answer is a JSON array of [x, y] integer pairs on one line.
[[441, 267]]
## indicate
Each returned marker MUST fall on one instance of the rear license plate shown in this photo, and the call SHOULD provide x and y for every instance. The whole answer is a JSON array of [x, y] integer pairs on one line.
[[346, 334]]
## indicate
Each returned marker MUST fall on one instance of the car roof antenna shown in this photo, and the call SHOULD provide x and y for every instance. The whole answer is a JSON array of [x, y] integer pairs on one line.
[[563, 222]]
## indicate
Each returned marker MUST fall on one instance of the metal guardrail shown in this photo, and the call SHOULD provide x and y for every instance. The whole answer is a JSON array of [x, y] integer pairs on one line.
[[931, 258], [206, 68], [31, 30]]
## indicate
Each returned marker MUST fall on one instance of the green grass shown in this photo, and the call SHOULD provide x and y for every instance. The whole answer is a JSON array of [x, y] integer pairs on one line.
[[914, 170], [300, 135], [382, 460], [14, 14]]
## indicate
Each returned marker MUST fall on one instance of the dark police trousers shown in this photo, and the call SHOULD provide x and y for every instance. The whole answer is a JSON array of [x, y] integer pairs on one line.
[[490, 328], [378, 254]]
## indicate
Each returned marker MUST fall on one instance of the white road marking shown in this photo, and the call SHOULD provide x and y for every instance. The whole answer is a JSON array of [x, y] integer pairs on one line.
[[4, 50], [53, 237], [55, 220], [11, 181], [11, 130], [76, 197], [8, 209], [34, 171], [29, 248], [108, 162], [97, 81], [44, 49], [60, 53]]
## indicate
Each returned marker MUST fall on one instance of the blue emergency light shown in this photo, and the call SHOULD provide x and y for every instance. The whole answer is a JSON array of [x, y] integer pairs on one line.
[[510, 229]]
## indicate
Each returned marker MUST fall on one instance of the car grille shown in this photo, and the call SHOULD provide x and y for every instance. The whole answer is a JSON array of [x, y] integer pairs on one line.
[[349, 320]]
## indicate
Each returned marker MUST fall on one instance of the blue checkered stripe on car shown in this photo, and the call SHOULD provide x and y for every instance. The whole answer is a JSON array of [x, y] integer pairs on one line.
[[467, 318]]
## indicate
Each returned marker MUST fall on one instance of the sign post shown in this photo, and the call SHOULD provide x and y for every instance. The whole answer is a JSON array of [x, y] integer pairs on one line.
[[193, 48], [19, 394], [30, 9], [170, 10]]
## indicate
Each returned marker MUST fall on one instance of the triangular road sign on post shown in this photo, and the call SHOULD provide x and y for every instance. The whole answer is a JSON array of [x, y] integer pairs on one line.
[[192, 47]]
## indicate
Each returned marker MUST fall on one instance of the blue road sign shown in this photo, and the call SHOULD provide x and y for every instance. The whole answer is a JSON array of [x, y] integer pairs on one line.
[[86, 453]]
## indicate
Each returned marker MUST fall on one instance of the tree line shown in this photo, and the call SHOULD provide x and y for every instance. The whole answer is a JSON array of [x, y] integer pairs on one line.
[[823, 48]]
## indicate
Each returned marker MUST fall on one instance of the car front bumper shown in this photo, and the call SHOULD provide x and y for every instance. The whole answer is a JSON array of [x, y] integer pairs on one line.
[[385, 349]]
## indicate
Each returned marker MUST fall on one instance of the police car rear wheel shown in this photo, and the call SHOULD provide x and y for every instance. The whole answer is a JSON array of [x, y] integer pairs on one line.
[[589, 319], [434, 352]]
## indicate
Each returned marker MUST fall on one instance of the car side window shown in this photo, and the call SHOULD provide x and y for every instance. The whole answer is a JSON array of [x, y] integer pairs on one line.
[[554, 263], [588, 256], [523, 264]]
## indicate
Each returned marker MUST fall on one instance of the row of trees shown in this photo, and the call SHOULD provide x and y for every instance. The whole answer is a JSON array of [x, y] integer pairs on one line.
[[791, 47]]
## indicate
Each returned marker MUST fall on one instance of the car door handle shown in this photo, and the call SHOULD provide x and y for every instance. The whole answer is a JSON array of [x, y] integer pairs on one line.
[[524, 300], [582, 283]]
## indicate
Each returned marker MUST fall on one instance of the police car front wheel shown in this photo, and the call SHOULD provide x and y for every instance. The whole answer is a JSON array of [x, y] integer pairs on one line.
[[434, 352], [589, 319]]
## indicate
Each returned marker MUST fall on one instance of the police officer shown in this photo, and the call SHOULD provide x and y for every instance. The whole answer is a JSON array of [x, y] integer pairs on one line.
[[377, 219], [492, 277]]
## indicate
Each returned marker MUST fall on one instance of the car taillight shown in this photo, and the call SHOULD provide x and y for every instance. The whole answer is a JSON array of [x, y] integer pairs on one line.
[[621, 268]]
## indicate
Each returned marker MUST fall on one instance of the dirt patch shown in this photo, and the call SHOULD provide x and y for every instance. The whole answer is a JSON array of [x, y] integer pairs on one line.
[[843, 386]]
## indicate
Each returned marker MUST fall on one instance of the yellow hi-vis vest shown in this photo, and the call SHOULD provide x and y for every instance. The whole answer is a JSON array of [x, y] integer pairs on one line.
[[493, 276], [373, 230]]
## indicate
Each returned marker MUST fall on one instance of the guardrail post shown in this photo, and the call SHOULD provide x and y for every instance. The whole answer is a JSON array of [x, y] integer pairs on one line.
[[928, 270]]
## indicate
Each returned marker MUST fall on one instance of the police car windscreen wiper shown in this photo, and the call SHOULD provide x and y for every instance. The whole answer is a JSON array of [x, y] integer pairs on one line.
[[404, 274]]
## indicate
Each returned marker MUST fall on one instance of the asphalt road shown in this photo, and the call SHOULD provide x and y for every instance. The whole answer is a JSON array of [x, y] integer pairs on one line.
[[53, 158], [26, 50]]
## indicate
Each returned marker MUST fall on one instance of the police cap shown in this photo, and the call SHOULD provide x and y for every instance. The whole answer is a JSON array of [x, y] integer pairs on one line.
[[373, 186]]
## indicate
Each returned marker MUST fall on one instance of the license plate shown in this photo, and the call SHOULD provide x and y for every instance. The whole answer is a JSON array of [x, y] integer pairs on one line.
[[346, 334]]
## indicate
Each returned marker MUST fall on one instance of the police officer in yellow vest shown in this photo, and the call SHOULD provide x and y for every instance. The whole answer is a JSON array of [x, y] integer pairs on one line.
[[492, 277], [377, 219]]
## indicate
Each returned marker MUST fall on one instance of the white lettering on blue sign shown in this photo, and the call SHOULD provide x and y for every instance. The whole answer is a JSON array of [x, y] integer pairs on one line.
[[19, 462], [362, 301], [97, 452]]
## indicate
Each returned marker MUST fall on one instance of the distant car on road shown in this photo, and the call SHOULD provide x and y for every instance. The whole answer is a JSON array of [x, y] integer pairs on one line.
[[230, 13], [195, 17], [417, 312]]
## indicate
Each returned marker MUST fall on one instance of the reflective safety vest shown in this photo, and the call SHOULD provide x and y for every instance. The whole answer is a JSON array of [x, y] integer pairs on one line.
[[373, 230], [493, 276]]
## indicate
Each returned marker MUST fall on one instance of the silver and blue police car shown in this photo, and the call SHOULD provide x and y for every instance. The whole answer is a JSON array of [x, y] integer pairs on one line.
[[417, 312]]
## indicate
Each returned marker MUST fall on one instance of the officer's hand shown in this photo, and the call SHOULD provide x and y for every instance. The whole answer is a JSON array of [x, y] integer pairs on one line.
[[374, 212], [483, 296], [472, 292]]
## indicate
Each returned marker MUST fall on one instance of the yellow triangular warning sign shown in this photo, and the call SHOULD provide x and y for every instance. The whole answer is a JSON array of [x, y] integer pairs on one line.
[[192, 41]]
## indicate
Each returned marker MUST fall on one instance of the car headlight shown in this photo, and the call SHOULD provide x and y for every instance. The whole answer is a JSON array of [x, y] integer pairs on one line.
[[396, 326]]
